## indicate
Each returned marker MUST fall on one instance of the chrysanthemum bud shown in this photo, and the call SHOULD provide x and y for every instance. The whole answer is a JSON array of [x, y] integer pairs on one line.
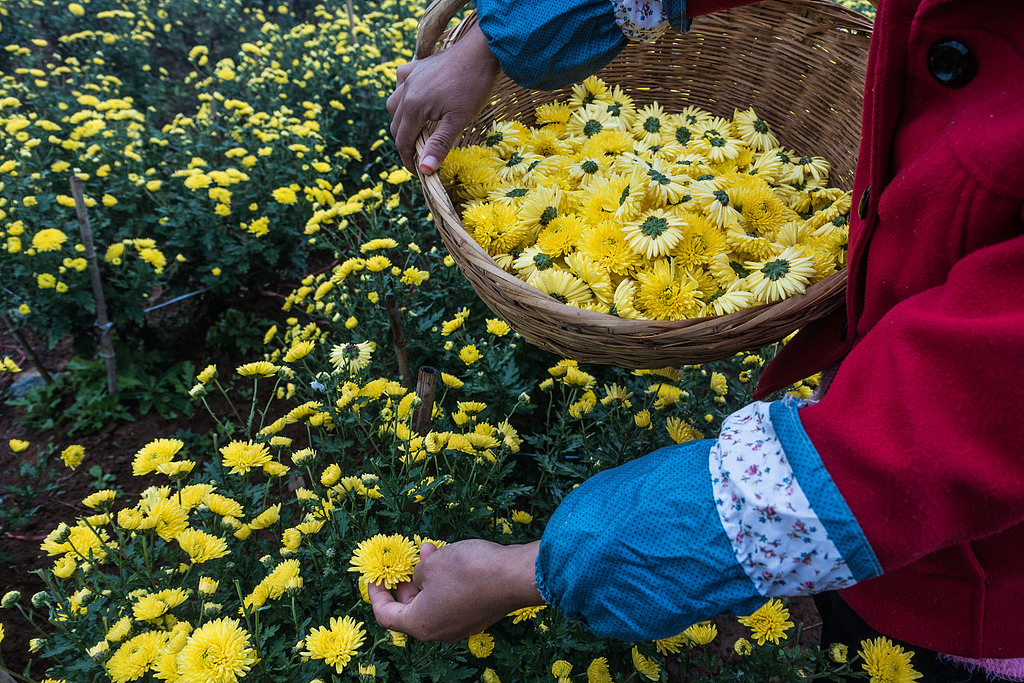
[[10, 599]]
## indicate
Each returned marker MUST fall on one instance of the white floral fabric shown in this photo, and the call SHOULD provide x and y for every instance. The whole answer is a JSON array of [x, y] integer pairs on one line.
[[776, 535], [641, 20]]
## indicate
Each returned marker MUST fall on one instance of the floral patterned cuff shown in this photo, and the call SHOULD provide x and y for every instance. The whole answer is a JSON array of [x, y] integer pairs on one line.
[[641, 21], [789, 527]]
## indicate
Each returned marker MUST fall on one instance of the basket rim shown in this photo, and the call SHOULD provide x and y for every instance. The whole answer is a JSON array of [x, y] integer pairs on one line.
[[818, 299]]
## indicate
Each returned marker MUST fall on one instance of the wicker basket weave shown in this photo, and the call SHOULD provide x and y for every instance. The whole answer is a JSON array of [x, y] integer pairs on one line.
[[800, 63]]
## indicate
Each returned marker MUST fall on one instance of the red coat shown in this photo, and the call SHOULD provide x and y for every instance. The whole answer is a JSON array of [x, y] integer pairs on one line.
[[919, 427]]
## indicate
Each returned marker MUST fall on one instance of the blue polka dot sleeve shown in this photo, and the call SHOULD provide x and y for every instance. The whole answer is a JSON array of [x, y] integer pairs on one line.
[[550, 44], [638, 552]]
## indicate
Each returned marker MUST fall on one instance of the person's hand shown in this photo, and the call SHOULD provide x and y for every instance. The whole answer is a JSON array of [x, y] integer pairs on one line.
[[450, 87], [459, 590]]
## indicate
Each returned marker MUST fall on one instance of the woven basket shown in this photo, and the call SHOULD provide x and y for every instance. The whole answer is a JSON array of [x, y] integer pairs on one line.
[[800, 63]]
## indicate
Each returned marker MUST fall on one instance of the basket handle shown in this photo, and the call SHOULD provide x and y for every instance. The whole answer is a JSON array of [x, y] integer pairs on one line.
[[433, 23]]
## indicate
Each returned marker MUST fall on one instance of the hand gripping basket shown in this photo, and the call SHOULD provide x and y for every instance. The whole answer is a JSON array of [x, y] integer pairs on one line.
[[800, 63]]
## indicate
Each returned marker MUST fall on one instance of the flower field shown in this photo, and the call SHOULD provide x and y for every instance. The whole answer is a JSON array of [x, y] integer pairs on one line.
[[230, 148]]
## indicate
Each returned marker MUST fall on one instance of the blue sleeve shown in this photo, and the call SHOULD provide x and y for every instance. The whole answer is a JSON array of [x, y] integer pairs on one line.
[[549, 44], [638, 552], [643, 551]]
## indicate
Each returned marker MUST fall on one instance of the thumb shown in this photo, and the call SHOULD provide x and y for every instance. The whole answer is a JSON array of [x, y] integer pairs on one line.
[[438, 146], [426, 550]]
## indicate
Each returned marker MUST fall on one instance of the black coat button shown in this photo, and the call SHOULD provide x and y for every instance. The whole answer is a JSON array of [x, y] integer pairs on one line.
[[951, 63], [862, 207]]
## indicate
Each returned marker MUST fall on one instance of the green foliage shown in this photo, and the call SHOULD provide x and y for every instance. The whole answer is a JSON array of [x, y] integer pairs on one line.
[[204, 175], [102, 480], [237, 332], [35, 481], [78, 399]]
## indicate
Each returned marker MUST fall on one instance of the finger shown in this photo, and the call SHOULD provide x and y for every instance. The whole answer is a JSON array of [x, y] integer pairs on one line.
[[405, 592], [394, 101], [396, 116], [386, 610], [440, 143], [403, 72], [405, 137], [426, 550]]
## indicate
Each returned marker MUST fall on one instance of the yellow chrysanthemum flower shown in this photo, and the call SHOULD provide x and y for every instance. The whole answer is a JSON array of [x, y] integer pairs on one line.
[[135, 657], [201, 546], [260, 368], [337, 644], [780, 277], [73, 455], [525, 613], [681, 431], [598, 671], [219, 651], [352, 358], [701, 633], [386, 560], [645, 666], [298, 351], [886, 662], [208, 374], [654, 233], [769, 623], [469, 354], [242, 456], [48, 239], [667, 293], [481, 645]]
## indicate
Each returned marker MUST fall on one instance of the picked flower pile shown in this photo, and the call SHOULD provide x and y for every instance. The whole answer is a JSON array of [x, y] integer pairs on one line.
[[640, 213]]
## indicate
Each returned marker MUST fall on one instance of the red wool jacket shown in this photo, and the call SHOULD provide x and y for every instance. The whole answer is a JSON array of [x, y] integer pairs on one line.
[[919, 427]]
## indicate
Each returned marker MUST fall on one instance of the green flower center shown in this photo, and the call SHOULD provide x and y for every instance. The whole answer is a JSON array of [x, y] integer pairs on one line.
[[592, 127], [624, 196], [516, 193], [841, 221], [659, 177], [589, 166], [722, 197], [542, 261], [495, 139], [706, 176], [514, 160], [547, 215], [716, 141], [683, 135], [740, 271], [654, 227], [615, 109], [652, 124], [776, 270], [760, 126]]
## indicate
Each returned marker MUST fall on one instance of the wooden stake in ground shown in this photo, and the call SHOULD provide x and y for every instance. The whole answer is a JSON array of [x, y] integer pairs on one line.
[[426, 385], [104, 325], [399, 336], [30, 353], [351, 22]]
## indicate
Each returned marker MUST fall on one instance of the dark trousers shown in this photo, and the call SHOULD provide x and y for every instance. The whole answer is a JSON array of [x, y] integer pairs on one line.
[[840, 624]]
